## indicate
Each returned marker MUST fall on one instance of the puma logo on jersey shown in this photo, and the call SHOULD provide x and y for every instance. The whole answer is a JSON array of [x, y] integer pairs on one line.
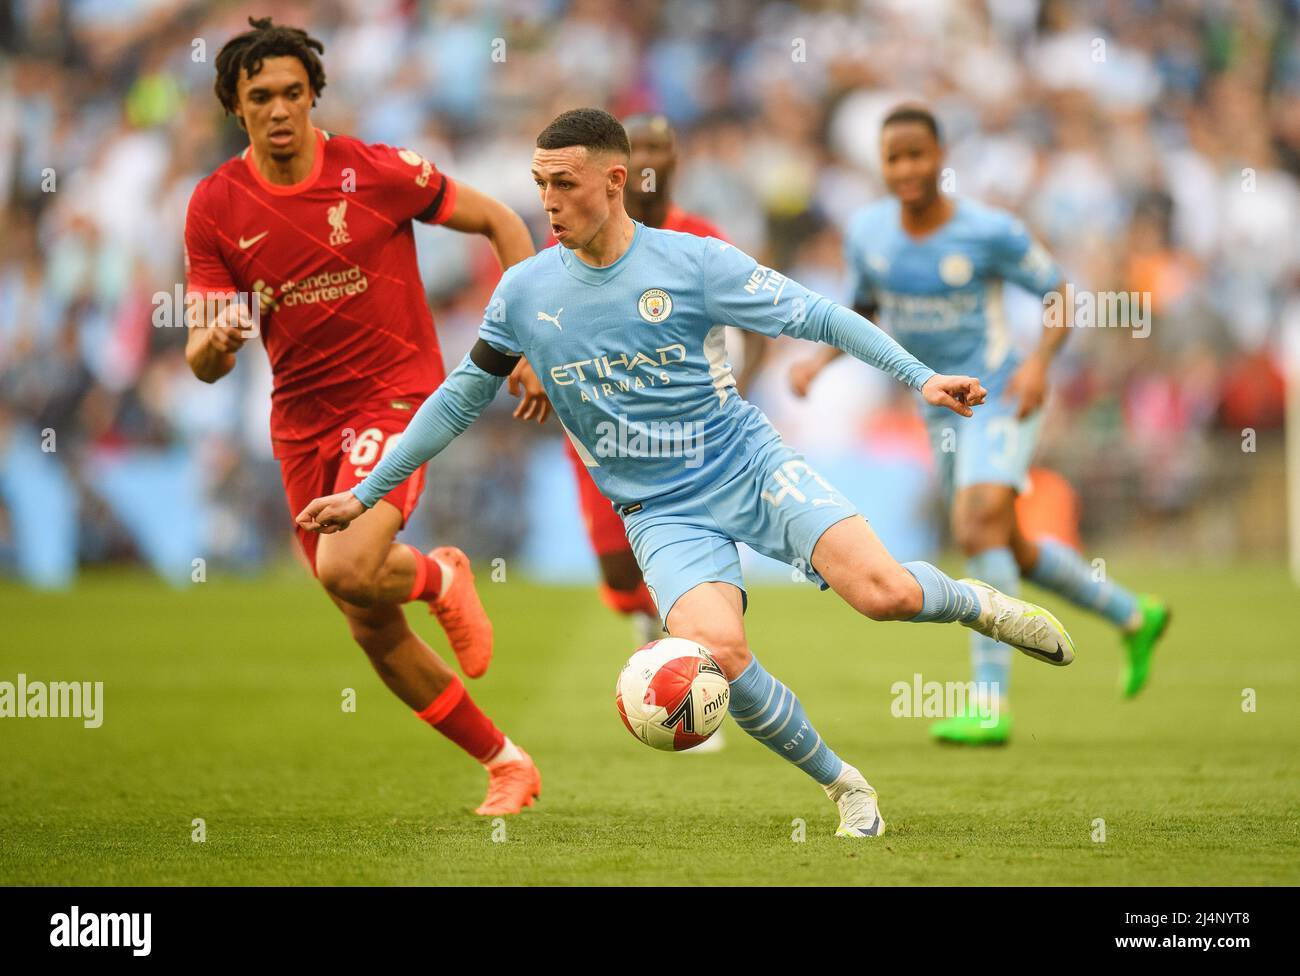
[[553, 319], [246, 242]]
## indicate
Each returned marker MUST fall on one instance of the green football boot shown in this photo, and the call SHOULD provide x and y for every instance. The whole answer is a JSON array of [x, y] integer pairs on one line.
[[973, 729], [1141, 644]]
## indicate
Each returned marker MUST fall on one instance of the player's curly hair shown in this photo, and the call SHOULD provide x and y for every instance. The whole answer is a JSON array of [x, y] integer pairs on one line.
[[247, 51]]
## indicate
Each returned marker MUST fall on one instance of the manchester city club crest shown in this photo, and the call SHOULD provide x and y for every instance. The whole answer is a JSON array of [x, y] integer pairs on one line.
[[956, 270], [655, 305]]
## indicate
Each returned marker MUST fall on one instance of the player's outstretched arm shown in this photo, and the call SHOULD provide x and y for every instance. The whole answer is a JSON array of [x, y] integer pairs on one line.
[[825, 321], [804, 371], [441, 418], [744, 293], [478, 213]]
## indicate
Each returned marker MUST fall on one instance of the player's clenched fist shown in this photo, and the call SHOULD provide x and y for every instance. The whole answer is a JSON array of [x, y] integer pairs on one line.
[[957, 393], [330, 514], [232, 328]]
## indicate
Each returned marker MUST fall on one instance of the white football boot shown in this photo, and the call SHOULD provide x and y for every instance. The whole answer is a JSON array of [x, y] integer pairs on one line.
[[1022, 624], [859, 814]]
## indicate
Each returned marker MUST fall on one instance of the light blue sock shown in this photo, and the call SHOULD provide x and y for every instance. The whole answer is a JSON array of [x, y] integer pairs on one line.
[[943, 599], [991, 660], [772, 714], [1061, 570]]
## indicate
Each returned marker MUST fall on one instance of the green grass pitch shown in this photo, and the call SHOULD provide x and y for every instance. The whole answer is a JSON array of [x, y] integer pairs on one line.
[[223, 702]]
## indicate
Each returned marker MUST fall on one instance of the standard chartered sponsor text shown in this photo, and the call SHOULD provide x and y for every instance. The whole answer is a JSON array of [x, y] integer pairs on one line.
[[327, 286]]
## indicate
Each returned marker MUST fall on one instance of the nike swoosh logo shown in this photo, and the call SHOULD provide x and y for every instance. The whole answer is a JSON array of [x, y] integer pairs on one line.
[[250, 241]]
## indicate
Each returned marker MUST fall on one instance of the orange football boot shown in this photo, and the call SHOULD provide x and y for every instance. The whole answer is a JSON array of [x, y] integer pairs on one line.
[[511, 787], [462, 615]]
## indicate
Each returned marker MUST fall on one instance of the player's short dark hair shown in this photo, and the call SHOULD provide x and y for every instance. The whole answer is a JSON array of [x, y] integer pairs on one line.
[[913, 113], [245, 53], [591, 127]]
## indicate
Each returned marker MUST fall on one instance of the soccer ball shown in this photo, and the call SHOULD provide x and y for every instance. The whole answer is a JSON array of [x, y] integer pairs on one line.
[[672, 695]]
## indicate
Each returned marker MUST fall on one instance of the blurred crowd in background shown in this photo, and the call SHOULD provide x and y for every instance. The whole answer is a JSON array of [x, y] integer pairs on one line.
[[1152, 145]]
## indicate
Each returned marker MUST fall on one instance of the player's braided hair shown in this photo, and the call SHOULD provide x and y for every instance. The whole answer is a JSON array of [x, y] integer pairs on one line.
[[247, 51]]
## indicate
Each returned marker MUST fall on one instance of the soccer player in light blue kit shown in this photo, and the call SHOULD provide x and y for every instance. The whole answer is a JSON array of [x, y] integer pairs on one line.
[[624, 324], [930, 269]]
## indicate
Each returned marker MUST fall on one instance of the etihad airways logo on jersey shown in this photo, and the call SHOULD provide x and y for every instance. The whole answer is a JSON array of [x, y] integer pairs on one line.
[[642, 369], [926, 313]]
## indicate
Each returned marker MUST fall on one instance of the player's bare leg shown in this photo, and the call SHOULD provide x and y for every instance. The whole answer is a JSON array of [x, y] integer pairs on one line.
[[1024, 549], [711, 614], [365, 567], [856, 565], [409, 666], [429, 687]]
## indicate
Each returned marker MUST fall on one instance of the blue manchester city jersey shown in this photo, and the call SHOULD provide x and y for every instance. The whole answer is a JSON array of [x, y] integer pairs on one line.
[[633, 356], [941, 296]]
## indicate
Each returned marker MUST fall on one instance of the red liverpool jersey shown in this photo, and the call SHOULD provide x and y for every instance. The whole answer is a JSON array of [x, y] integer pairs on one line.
[[332, 262]]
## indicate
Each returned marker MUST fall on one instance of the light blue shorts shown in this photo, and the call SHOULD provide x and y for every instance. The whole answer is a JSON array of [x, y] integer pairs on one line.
[[992, 447], [774, 502]]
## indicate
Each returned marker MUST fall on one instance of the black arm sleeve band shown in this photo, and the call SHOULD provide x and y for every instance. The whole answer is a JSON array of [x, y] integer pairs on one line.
[[432, 208], [491, 360]]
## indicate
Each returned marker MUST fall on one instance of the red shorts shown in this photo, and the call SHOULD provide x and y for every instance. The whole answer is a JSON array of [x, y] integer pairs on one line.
[[604, 527], [343, 458]]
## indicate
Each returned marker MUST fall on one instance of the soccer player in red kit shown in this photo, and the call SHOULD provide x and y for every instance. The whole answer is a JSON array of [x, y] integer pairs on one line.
[[648, 199], [305, 237]]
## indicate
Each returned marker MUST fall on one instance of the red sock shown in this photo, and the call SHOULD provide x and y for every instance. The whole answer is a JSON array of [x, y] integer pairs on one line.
[[454, 714], [428, 577], [629, 601]]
